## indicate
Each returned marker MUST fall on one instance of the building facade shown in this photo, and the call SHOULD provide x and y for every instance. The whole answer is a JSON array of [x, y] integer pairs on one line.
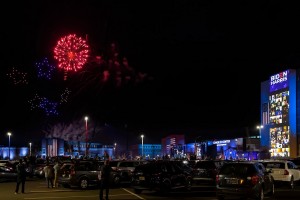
[[280, 114]]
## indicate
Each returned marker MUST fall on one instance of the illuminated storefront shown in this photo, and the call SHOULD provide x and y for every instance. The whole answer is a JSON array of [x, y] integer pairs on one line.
[[278, 114]]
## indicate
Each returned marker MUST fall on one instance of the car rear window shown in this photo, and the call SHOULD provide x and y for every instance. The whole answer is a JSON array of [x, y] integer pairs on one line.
[[279, 165], [239, 169], [206, 165]]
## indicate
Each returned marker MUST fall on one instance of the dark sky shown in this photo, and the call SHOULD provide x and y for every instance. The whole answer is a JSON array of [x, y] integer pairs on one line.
[[204, 62]]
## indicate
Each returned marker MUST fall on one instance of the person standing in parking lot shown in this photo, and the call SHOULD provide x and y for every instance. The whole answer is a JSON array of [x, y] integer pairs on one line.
[[49, 174], [21, 176], [104, 176], [56, 168]]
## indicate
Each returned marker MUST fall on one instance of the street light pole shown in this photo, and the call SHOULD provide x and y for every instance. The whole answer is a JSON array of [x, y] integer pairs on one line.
[[115, 149], [9, 134], [259, 128], [142, 136], [30, 148], [86, 136]]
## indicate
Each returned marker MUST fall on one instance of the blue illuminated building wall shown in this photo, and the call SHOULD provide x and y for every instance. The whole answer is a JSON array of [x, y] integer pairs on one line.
[[15, 153], [279, 107]]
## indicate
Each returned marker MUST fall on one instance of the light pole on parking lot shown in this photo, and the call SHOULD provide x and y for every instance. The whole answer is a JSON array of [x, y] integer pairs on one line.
[[30, 148], [142, 136], [9, 134], [259, 128], [86, 136]]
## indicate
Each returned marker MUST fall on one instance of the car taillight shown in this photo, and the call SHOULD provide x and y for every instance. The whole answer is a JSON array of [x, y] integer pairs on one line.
[[286, 172], [254, 179], [72, 172], [217, 179]]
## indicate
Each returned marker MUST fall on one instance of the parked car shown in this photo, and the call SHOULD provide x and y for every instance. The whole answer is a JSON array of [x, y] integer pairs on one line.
[[38, 170], [162, 176], [205, 171], [296, 161], [82, 174], [122, 171], [283, 171], [7, 174], [244, 180], [3, 162]]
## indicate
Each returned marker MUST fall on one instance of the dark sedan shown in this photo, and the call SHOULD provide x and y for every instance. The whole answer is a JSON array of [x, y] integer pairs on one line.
[[244, 180], [162, 176], [7, 174]]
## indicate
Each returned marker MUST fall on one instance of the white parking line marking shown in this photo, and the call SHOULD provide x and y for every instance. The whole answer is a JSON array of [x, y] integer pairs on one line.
[[133, 194], [70, 197]]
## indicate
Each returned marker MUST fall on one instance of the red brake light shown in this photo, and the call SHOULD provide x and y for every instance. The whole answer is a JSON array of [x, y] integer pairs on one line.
[[72, 172], [217, 178], [286, 172], [254, 179]]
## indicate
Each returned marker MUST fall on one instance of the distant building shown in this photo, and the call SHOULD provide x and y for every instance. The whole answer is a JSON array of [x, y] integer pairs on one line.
[[150, 151], [173, 146], [13, 152], [58, 147]]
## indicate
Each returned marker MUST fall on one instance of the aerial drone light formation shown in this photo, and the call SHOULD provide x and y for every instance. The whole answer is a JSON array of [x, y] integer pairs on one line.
[[45, 69], [65, 96], [71, 52], [42, 103], [17, 77]]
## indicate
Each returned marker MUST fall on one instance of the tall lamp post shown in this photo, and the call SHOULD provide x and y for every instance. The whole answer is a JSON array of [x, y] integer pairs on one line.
[[86, 136], [9, 134], [30, 148], [115, 149], [259, 128], [142, 136]]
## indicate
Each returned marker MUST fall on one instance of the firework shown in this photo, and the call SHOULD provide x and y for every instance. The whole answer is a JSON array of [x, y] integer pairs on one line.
[[71, 52]]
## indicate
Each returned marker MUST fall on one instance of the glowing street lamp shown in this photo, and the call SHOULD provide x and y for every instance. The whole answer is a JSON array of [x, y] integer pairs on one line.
[[115, 149], [259, 128], [30, 148], [86, 136], [9, 134], [142, 136]]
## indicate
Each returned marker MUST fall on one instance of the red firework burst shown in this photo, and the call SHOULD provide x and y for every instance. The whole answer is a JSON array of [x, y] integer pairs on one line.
[[71, 52]]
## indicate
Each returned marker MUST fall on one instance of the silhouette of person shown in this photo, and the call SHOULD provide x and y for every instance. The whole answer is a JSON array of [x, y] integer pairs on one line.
[[104, 176], [21, 176]]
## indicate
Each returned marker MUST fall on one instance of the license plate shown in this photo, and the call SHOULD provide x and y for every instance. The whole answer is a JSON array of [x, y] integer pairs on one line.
[[232, 181], [141, 178]]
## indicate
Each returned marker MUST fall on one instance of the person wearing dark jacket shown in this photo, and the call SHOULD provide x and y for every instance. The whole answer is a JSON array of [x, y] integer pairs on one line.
[[21, 176], [104, 176]]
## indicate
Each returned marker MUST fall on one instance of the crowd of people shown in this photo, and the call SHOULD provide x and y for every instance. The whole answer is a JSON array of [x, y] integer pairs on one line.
[[51, 173]]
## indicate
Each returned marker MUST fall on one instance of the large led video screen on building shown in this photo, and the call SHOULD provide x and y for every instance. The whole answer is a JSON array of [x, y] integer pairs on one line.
[[280, 141], [279, 107]]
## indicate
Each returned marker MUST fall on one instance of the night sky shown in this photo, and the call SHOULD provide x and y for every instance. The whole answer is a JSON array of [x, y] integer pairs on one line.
[[197, 65]]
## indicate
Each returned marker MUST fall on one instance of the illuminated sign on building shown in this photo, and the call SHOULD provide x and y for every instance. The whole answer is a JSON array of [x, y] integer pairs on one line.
[[221, 142], [279, 81]]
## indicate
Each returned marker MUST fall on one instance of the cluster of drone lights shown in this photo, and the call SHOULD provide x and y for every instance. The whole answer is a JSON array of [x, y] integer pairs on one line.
[[49, 107], [71, 52], [17, 77], [65, 96], [44, 69]]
